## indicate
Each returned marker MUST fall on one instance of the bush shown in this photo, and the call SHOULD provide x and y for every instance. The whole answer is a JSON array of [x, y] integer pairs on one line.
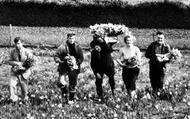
[[76, 14]]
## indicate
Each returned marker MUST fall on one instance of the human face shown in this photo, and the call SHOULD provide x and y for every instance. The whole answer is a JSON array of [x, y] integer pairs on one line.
[[160, 39], [18, 45], [71, 39], [129, 41]]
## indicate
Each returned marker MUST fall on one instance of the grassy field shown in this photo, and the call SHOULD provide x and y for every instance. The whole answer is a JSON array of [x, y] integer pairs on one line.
[[45, 101], [54, 36]]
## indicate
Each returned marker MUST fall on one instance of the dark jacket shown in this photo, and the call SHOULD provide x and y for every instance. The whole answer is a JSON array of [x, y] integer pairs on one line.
[[155, 48], [101, 61], [63, 51]]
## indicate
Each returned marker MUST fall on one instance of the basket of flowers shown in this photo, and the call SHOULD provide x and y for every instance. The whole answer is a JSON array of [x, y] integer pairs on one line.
[[111, 30]]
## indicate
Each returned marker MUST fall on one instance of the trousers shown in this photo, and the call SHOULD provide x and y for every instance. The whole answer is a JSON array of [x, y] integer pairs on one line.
[[19, 81], [68, 85]]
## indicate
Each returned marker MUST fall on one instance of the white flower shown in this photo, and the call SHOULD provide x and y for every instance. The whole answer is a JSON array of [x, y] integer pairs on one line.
[[77, 106], [148, 96], [59, 105], [117, 106], [118, 99], [89, 115], [52, 116], [188, 103], [156, 106], [158, 93], [71, 102], [115, 115], [43, 115], [133, 94], [41, 97], [170, 108]]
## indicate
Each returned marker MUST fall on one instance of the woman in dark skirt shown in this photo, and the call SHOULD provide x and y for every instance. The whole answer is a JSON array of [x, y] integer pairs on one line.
[[130, 57]]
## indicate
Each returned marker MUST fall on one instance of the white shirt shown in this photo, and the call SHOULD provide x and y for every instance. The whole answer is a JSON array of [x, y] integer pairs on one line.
[[129, 52]]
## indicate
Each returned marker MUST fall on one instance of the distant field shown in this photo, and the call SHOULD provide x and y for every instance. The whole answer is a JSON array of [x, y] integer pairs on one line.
[[53, 36]]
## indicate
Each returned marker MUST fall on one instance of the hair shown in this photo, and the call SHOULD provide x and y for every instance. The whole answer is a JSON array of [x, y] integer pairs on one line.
[[17, 39], [159, 33], [129, 36], [70, 35]]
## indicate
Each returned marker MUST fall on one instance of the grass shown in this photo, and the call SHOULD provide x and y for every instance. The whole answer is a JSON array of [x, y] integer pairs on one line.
[[54, 36], [45, 99]]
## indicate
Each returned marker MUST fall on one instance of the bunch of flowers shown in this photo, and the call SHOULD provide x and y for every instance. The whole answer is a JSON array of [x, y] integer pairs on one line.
[[28, 63], [131, 62], [109, 29], [175, 54], [18, 69], [71, 62]]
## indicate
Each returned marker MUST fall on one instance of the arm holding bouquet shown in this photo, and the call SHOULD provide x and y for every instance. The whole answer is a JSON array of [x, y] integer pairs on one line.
[[19, 67]]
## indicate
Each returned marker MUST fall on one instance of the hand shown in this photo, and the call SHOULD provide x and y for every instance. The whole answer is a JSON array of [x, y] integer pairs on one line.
[[159, 55], [160, 59], [59, 61], [15, 63], [97, 48], [21, 67], [122, 65], [165, 58], [98, 76]]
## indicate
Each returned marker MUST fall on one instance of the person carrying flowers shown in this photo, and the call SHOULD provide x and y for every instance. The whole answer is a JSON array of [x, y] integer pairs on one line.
[[104, 37], [129, 60], [21, 60], [102, 63], [158, 52], [69, 56]]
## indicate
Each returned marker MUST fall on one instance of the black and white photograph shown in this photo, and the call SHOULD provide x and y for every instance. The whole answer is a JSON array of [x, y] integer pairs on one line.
[[94, 59]]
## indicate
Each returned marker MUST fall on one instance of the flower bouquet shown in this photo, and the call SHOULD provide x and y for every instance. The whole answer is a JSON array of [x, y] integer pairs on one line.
[[71, 62], [17, 70], [131, 62], [175, 55], [28, 63], [109, 29]]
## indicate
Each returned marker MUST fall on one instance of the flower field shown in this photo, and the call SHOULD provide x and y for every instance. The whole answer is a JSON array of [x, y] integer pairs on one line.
[[54, 36], [45, 99]]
